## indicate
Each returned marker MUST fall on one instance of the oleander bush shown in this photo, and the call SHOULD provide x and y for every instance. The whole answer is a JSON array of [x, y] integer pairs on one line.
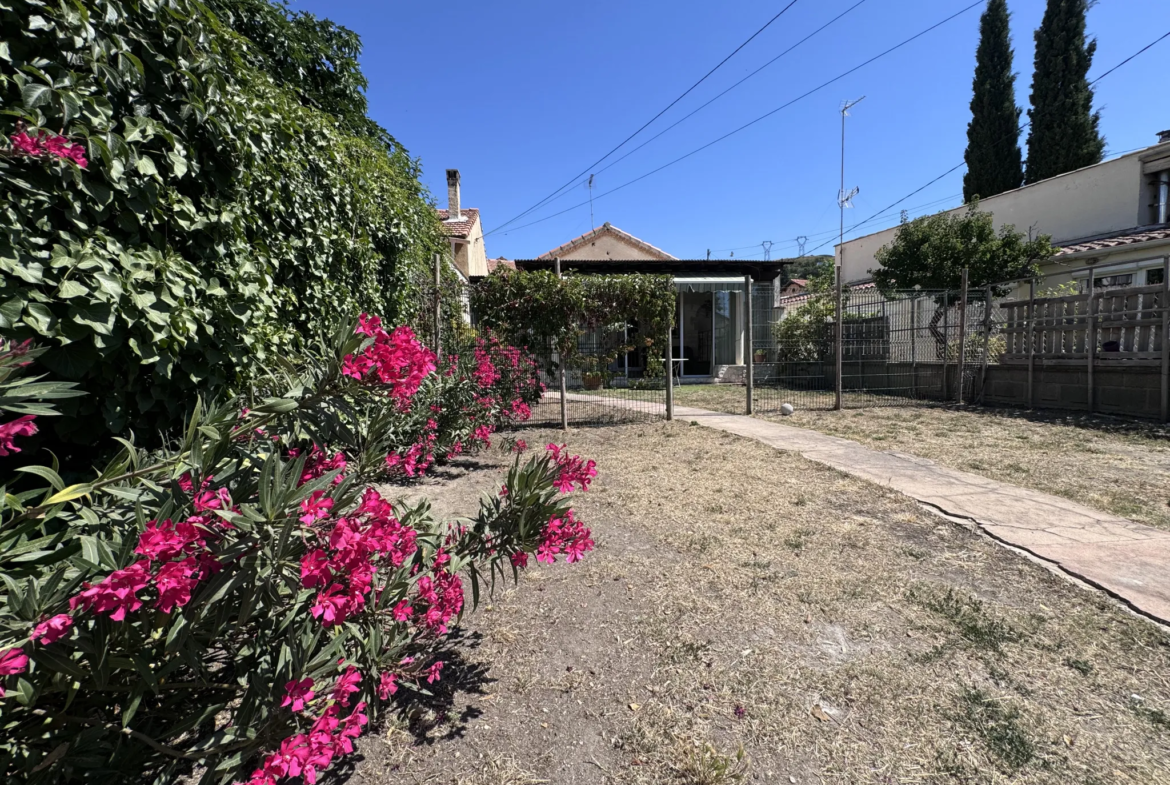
[[243, 602], [190, 191]]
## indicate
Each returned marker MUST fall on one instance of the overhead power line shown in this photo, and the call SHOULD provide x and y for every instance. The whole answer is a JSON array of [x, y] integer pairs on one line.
[[703, 106], [648, 122], [762, 117], [1019, 130]]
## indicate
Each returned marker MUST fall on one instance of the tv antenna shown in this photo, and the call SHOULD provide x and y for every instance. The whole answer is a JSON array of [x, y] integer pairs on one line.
[[844, 199], [592, 225], [800, 241]]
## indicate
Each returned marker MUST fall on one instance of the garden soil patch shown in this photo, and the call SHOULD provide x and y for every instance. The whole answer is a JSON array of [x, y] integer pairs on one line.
[[748, 615]]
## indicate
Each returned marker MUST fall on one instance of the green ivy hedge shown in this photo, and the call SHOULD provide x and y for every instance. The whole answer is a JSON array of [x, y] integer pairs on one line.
[[236, 199]]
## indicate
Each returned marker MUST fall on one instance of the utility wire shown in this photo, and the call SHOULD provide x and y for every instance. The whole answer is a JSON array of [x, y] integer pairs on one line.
[[1027, 123], [686, 117], [648, 122], [762, 117]]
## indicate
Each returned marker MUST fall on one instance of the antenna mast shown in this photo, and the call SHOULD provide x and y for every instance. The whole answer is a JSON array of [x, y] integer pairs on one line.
[[592, 225]]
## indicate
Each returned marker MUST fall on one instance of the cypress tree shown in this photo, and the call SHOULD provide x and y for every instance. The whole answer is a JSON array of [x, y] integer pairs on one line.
[[993, 156], [1064, 133]]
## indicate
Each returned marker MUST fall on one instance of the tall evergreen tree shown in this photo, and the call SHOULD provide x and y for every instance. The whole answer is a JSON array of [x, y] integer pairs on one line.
[[993, 156], [1064, 133]]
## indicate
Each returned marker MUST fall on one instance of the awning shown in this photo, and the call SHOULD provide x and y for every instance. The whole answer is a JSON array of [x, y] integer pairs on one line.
[[708, 283]]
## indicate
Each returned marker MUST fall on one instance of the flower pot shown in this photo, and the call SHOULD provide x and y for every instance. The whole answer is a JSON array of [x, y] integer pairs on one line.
[[592, 381], [761, 356]]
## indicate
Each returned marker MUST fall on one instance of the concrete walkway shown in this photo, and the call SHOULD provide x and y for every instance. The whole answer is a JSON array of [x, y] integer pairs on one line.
[[1128, 560]]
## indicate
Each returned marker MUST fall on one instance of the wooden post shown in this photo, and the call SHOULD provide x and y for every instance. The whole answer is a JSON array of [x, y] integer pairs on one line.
[[839, 335], [986, 342], [670, 373], [750, 340], [1166, 338], [1091, 335], [962, 339], [1031, 338], [561, 365], [438, 306], [946, 382]]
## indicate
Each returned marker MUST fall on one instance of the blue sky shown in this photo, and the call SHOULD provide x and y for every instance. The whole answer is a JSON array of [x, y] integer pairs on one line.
[[522, 95]]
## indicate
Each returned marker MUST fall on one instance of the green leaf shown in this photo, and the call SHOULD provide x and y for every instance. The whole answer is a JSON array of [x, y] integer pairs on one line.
[[47, 473], [146, 166], [34, 94], [70, 493], [72, 289]]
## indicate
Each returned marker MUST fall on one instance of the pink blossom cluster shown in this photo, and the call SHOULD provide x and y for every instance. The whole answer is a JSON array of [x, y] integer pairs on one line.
[[395, 359], [330, 736], [564, 534], [12, 661], [419, 456], [440, 597], [319, 463], [342, 567], [572, 469], [21, 426], [47, 145], [175, 560], [485, 373]]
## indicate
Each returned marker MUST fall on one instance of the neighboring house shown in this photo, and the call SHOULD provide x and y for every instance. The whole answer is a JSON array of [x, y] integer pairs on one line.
[[794, 287], [1114, 216], [493, 264], [463, 230], [708, 342]]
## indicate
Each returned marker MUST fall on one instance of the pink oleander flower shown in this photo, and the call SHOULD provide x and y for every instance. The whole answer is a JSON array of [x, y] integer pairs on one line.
[[117, 594], [402, 611], [520, 559], [164, 541], [175, 582], [25, 144], [347, 684], [434, 671], [520, 446], [12, 661], [315, 569], [386, 685], [572, 469], [298, 693], [564, 534], [316, 507], [185, 483], [52, 630], [21, 426]]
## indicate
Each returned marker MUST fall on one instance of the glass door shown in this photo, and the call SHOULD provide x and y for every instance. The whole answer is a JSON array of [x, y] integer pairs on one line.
[[696, 341]]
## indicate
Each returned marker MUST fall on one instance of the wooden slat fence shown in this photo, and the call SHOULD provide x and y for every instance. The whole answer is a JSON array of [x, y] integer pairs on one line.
[[1128, 327]]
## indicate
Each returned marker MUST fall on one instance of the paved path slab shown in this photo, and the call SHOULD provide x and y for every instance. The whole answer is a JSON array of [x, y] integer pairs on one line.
[[1128, 560]]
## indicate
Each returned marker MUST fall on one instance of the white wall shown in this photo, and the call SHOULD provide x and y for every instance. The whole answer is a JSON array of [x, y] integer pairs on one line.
[[607, 246], [1108, 197]]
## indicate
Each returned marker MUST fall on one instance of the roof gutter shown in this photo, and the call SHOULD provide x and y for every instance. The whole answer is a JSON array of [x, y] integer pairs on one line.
[[1097, 252]]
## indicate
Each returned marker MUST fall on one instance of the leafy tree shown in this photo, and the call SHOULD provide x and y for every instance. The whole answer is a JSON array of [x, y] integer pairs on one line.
[[808, 267], [993, 149], [1064, 134], [931, 252], [804, 335]]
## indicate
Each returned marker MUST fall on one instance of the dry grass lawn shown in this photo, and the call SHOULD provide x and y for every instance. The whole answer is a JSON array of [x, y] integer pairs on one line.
[[749, 616], [1115, 465]]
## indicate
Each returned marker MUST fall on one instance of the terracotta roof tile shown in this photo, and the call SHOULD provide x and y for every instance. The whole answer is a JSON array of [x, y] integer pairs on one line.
[[492, 264], [608, 228], [461, 229], [1128, 237]]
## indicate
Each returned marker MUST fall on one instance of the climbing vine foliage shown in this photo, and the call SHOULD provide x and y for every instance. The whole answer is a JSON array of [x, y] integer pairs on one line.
[[219, 200], [538, 310]]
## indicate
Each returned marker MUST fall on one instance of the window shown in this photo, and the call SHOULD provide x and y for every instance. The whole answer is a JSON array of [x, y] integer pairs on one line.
[[1110, 281], [1156, 275]]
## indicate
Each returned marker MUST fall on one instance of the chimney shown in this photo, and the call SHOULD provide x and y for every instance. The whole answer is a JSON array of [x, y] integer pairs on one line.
[[1164, 136], [453, 213]]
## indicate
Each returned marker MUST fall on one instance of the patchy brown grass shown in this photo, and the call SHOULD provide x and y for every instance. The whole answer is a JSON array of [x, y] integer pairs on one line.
[[1113, 465], [751, 616], [1118, 466]]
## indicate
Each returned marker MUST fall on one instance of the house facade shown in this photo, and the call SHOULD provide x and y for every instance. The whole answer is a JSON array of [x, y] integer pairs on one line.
[[463, 230], [709, 341], [1113, 216]]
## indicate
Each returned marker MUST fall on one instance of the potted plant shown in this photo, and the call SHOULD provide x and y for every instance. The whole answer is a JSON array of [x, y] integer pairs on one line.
[[761, 356], [592, 380]]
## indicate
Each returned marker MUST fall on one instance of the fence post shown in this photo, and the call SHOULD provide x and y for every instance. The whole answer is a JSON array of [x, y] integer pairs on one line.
[[1031, 338], [561, 364], [750, 340], [438, 306], [914, 346], [1166, 338], [986, 343], [1091, 335], [946, 381], [838, 337], [669, 373], [962, 338]]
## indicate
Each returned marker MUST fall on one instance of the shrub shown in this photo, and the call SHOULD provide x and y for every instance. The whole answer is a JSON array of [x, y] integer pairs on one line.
[[220, 210], [244, 599]]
